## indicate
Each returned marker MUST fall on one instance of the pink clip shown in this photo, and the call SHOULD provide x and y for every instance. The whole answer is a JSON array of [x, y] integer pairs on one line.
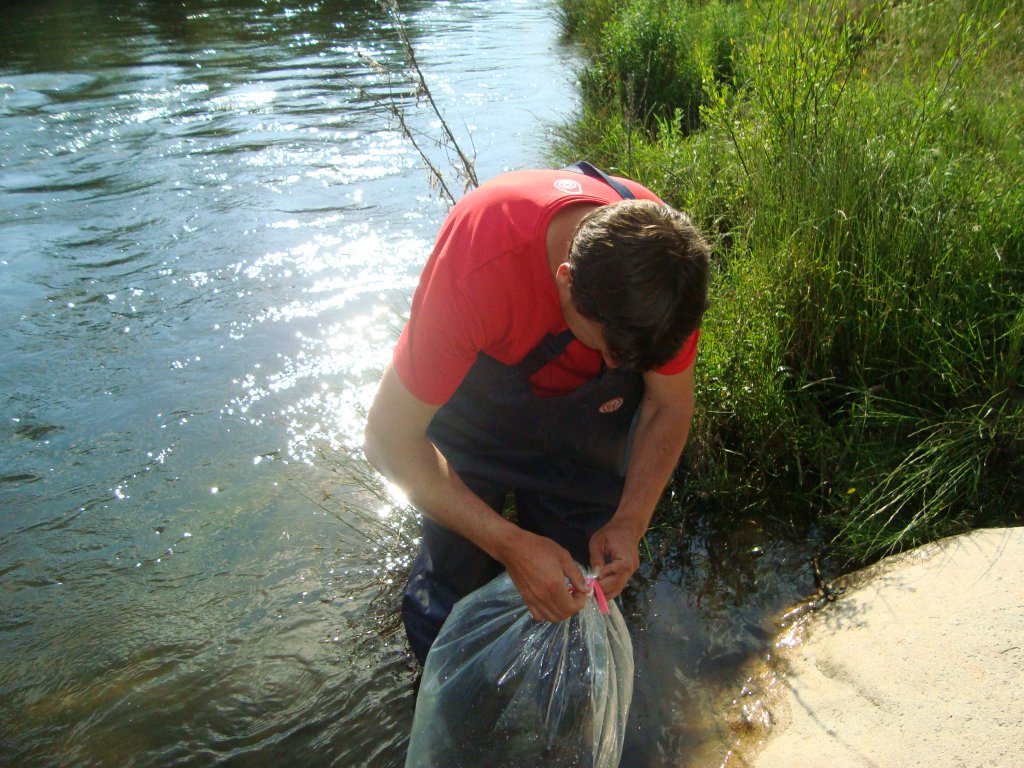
[[595, 587], [602, 603]]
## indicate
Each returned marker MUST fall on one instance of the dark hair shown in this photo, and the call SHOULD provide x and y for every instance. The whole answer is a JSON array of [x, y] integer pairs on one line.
[[640, 269]]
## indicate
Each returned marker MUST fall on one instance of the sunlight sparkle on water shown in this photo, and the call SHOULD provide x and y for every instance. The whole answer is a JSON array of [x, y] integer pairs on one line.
[[321, 388], [397, 495], [245, 99]]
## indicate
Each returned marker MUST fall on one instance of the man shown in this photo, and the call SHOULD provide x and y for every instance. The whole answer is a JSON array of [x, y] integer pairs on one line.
[[548, 359]]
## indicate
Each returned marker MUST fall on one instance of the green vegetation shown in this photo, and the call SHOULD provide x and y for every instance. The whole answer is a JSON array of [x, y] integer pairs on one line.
[[858, 167]]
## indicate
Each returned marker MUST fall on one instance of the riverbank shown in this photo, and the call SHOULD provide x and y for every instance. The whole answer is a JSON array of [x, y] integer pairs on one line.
[[917, 663], [858, 170]]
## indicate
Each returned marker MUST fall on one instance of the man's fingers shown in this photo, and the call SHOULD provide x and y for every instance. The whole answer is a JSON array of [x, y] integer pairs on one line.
[[575, 576], [559, 607], [549, 580], [597, 554], [613, 577]]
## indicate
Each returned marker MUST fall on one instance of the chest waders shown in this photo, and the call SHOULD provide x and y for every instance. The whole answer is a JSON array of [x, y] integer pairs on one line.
[[562, 458]]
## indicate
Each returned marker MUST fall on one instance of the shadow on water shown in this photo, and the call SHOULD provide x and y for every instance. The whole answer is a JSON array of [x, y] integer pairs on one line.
[[702, 612], [67, 40]]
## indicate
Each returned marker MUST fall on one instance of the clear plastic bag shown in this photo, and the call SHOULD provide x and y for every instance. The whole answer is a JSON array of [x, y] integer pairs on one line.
[[500, 690]]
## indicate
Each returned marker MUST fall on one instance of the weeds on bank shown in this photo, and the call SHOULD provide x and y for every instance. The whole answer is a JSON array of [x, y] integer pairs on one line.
[[940, 484], [859, 168]]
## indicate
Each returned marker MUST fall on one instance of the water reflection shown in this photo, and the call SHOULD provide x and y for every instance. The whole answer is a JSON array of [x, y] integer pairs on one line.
[[209, 235]]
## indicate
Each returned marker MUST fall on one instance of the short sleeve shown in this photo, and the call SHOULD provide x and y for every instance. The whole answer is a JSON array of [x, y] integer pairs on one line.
[[439, 344], [686, 357]]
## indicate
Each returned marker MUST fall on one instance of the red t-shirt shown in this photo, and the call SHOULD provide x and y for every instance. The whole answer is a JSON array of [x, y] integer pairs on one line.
[[487, 287]]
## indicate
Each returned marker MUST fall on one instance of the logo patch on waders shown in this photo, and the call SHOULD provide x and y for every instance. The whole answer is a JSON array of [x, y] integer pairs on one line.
[[610, 406]]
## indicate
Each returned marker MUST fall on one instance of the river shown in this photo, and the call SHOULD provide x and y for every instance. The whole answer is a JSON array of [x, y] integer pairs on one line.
[[209, 231]]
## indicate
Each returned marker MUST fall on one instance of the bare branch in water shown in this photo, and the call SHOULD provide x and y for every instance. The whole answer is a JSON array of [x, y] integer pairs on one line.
[[461, 166]]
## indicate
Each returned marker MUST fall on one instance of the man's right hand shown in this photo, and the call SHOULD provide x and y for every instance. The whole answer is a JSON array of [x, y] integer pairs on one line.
[[539, 568], [398, 447]]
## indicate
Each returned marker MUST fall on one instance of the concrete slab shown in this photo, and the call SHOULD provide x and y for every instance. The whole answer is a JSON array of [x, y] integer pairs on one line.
[[919, 664]]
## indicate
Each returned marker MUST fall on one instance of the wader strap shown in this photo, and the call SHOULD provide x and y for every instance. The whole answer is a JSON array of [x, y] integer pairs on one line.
[[590, 170], [549, 348]]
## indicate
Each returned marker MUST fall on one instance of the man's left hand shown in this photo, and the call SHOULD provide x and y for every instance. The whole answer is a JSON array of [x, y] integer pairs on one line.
[[614, 554]]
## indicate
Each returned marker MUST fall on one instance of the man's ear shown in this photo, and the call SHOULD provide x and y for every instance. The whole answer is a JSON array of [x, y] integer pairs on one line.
[[563, 278]]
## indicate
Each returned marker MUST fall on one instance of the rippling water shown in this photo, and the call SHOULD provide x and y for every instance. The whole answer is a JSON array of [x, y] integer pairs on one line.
[[209, 230]]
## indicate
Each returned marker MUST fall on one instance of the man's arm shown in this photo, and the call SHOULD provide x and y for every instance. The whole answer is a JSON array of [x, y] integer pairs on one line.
[[397, 445], [661, 431]]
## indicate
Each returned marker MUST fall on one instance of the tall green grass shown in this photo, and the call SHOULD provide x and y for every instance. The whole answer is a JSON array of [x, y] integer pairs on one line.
[[859, 169]]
